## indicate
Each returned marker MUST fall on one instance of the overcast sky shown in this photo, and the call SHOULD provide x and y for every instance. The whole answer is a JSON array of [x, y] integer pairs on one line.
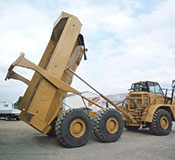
[[127, 41]]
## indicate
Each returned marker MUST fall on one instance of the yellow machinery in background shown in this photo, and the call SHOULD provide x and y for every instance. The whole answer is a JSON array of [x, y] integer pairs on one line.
[[151, 107]]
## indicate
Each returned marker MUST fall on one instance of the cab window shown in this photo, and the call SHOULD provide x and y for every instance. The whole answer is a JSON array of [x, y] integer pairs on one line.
[[154, 88], [137, 87], [158, 89], [151, 87]]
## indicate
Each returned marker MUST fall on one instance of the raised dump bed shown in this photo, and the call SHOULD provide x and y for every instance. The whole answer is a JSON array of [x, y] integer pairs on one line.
[[42, 101]]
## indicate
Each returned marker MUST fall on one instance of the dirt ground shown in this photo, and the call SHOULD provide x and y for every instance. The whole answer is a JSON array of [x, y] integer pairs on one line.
[[18, 141]]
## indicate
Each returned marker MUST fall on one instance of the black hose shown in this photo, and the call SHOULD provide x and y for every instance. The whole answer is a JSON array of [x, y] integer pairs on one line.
[[81, 41]]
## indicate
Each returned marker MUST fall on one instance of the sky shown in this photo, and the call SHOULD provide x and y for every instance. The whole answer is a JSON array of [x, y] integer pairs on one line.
[[127, 41]]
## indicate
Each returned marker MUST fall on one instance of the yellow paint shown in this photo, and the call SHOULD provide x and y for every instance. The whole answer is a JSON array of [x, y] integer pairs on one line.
[[112, 125], [77, 128], [147, 104]]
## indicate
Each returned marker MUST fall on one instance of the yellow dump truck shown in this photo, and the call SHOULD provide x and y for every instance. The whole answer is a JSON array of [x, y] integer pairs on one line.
[[151, 107], [42, 101]]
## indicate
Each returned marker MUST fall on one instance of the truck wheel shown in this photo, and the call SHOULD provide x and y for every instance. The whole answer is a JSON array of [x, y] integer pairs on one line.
[[73, 128], [162, 123], [51, 133], [107, 125], [17, 118], [8, 118]]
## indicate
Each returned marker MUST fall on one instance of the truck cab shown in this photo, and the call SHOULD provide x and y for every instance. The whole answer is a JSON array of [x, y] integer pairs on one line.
[[147, 86], [154, 90], [144, 102]]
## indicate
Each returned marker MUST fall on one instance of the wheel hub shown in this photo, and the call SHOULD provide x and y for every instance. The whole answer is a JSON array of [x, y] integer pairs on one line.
[[77, 128], [164, 123], [112, 125]]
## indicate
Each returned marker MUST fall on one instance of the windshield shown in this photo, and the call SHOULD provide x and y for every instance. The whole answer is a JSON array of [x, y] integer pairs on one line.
[[139, 87], [154, 88]]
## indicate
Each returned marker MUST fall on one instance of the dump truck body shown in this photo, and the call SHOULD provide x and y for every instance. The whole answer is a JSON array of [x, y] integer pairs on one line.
[[42, 101]]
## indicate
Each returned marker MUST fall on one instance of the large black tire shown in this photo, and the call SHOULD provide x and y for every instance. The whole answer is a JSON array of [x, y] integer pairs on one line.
[[101, 125], [8, 118], [73, 128], [17, 118], [52, 133], [162, 123]]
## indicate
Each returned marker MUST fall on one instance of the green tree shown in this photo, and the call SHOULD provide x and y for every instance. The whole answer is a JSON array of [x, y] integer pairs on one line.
[[16, 104]]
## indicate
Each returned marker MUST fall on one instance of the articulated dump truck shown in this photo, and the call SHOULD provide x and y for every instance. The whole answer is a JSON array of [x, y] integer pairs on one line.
[[41, 106]]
